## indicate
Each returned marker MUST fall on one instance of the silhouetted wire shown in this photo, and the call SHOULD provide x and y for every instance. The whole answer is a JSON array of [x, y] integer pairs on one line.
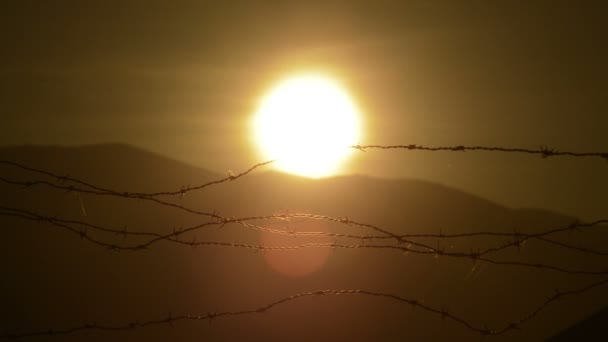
[[187, 189], [519, 238], [97, 189], [543, 151], [400, 238], [26, 214], [80, 232], [576, 248], [59, 178], [215, 215], [443, 313], [173, 237]]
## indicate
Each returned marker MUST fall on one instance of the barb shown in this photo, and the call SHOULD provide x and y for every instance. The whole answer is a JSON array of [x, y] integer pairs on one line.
[[442, 313], [543, 151]]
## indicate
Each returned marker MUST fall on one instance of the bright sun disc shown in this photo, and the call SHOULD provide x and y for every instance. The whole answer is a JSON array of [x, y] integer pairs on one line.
[[307, 125]]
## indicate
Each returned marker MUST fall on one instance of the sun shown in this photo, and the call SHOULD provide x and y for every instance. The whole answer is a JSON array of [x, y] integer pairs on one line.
[[307, 123]]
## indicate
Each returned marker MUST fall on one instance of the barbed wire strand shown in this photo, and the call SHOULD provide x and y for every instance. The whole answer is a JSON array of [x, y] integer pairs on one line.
[[180, 192], [543, 151], [443, 313], [104, 191], [475, 256], [519, 238], [576, 248], [400, 238], [215, 215], [187, 189], [95, 190]]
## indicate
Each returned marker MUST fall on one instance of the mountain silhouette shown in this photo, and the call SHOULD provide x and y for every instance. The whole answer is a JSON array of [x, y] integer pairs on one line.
[[55, 279]]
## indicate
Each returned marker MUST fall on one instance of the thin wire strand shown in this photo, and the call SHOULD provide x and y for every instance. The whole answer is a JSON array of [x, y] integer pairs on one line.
[[400, 238], [543, 151], [97, 189], [519, 238], [173, 237], [187, 189], [443, 313]]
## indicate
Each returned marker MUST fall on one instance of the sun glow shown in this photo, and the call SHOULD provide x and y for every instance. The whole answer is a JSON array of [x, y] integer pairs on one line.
[[307, 124]]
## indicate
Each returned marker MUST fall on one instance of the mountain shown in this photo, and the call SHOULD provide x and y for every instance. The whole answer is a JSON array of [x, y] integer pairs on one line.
[[54, 278], [108, 163]]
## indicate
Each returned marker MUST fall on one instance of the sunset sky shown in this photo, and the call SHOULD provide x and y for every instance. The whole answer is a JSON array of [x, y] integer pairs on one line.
[[184, 80], [128, 126]]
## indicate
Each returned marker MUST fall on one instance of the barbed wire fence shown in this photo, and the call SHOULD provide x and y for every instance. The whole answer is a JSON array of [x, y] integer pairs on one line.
[[384, 239]]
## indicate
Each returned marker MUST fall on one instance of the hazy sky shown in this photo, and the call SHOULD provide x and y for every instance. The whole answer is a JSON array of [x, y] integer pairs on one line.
[[183, 80]]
